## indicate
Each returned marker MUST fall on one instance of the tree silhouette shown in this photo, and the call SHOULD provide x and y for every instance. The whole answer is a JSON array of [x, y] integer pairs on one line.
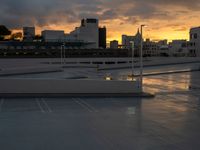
[[16, 36], [4, 31]]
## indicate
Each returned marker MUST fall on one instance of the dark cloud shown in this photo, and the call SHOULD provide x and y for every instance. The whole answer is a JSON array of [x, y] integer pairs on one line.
[[42, 12], [16, 13], [109, 14]]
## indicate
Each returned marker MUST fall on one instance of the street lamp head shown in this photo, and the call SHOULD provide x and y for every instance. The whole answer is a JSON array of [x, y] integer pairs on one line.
[[143, 25]]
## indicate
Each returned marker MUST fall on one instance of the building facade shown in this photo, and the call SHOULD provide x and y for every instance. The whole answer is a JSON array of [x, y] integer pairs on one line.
[[194, 46], [127, 40], [178, 48], [53, 35], [102, 37], [150, 48], [28, 33], [26, 49], [88, 32], [114, 44]]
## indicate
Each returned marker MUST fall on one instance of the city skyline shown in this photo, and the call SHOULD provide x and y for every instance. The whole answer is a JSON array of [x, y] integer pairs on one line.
[[165, 19]]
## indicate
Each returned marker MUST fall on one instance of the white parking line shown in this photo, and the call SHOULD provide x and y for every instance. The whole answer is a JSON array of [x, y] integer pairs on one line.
[[1, 104], [47, 106], [39, 105], [82, 105], [88, 105]]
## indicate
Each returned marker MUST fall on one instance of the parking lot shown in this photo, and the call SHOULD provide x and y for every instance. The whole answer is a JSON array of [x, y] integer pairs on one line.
[[169, 121]]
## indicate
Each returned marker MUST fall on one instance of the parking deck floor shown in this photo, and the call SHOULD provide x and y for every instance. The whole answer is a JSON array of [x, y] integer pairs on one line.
[[169, 121]]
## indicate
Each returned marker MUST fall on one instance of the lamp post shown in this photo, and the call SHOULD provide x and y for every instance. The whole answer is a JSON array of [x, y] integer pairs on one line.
[[132, 58], [141, 57], [62, 53], [61, 57]]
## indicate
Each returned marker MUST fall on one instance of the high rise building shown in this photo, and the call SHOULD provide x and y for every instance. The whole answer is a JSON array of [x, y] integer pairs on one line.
[[88, 32], [102, 37], [28, 33]]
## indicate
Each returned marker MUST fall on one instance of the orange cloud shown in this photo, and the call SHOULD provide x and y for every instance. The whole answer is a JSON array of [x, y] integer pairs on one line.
[[165, 19]]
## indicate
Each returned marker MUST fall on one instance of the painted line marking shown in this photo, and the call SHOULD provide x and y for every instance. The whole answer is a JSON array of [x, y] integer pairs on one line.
[[39, 105], [47, 106], [82, 105], [1, 104], [88, 105]]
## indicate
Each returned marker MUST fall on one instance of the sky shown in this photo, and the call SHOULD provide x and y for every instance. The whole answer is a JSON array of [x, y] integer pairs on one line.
[[166, 19]]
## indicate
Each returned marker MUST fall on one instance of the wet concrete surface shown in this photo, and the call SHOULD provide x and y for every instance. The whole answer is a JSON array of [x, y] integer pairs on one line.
[[169, 121]]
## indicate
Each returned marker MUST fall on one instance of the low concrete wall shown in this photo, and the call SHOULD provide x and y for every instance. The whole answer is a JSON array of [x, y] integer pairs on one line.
[[68, 86], [29, 70]]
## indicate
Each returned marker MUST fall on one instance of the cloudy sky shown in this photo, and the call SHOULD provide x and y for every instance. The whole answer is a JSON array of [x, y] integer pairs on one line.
[[166, 19]]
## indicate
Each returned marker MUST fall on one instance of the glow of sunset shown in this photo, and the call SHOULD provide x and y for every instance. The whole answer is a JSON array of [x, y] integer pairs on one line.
[[165, 19], [115, 30]]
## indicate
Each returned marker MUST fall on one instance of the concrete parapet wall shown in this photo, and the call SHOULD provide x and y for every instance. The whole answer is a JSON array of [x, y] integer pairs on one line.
[[68, 86], [29, 70]]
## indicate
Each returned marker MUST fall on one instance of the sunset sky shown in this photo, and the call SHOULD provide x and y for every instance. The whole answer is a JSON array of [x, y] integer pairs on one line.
[[166, 19]]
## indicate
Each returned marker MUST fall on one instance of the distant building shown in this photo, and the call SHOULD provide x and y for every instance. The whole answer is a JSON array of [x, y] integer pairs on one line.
[[52, 49], [178, 48], [53, 35], [102, 37], [114, 44], [37, 46], [162, 42], [194, 46], [163, 48], [150, 48], [126, 42], [88, 32], [28, 33]]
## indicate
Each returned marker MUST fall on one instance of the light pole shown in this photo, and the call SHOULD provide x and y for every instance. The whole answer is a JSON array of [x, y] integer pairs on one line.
[[141, 57], [132, 52], [61, 57], [64, 52]]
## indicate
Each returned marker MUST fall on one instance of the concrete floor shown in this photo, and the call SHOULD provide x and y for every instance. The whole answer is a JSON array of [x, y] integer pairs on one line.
[[169, 121]]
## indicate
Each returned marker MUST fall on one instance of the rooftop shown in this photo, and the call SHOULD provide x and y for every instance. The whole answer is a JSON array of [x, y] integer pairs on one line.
[[169, 121]]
